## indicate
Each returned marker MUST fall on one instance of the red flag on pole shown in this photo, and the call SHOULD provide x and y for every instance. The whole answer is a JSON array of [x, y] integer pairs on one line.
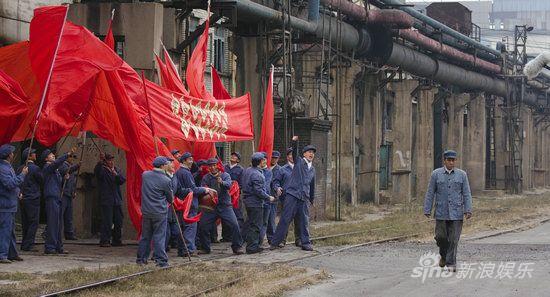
[[172, 74], [218, 89], [197, 65], [109, 37], [268, 125]]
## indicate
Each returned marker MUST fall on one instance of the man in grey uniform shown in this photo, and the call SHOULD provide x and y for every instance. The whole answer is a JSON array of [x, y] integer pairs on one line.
[[450, 191]]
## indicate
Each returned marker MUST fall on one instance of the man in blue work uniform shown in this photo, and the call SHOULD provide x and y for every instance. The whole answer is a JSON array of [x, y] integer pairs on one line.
[[280, 183], [174, 229], [110, 179], [276, 172], [254, 196], [68, 171], [31, 191], [176, 154], [221, 182], [449, 189], [156, 194], [300, 192], [186, 180], [53, 184], [268, 175], [9, 193], [235, 170]]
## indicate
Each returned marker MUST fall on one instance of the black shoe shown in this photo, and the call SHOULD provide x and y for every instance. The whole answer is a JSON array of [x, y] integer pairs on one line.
[[442, 262], [274, 247], [203, 252], [50, 252], [307, 248], [298, 243], [71, 238], [215, 241], [259, 250], [117, 244], [238, 251], [17, 258], [106, 244], [30, 250]]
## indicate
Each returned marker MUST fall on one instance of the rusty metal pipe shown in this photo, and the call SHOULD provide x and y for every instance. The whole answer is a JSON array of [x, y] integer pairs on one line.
[[445, 50], [397, 18]]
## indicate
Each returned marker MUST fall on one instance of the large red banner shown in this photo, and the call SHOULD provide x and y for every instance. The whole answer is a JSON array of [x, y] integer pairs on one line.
[[194, 119]]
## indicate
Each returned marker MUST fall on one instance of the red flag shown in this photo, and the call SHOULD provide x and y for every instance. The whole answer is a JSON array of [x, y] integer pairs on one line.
[[218, 89], [45, 32], [13, 107], [185, 206], [195, 119], [176, 84], [109, 38], [197, 65], [268, 129], [161, 70], [235, 193]]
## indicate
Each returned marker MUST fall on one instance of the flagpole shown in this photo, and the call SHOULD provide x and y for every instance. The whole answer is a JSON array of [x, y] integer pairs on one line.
[[46, 86]]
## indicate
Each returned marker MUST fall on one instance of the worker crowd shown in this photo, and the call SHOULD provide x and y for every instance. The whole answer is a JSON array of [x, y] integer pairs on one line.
[[266, 191]]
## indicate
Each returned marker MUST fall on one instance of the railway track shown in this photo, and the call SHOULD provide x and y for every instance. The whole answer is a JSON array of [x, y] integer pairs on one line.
[[220, 257]]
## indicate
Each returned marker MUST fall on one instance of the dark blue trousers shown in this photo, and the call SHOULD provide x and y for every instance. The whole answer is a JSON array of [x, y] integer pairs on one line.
[[293, 209], [153, 230], [253, 226], [268, 228], [54, 242], [7, 236], [67, 212], [173, 233], [190, 230], [226, 214], [111, 224], [30, 216], [226, 231]]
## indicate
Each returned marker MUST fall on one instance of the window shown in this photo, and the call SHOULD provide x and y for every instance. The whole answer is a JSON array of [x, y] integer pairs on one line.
[[388, 115], [119, 44], [219, 55]]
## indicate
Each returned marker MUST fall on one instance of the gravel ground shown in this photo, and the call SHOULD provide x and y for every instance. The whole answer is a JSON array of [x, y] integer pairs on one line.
[[387, 269]]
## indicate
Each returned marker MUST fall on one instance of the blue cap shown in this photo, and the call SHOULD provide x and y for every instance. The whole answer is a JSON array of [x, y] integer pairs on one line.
[[449, 154], [27, 153], [258, 156], [236, 154], [185, 156], [201, 162], [289, 151], [6, 150], [275, 154], [212, 161], [174, 151], [45, 154], [309, 148], [161, 160]]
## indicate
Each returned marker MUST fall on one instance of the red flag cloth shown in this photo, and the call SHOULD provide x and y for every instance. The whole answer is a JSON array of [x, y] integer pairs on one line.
[[197, 66], [235, 193], [45, 32], [161, 70], [185, 206], [268, 124], [175, 82], [13, 107], [194, 119], [218, 89], [109, 37]]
